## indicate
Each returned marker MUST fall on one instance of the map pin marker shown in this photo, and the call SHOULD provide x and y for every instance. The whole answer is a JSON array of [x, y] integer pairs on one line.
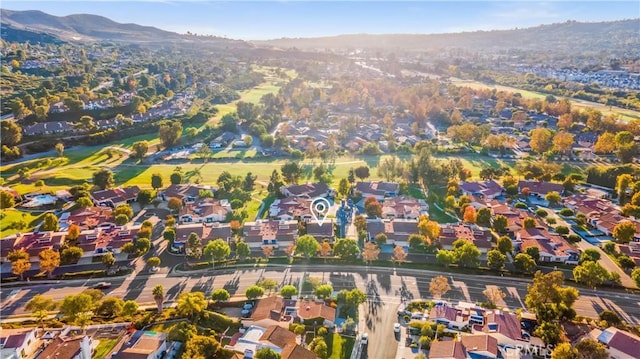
[[319, 209]]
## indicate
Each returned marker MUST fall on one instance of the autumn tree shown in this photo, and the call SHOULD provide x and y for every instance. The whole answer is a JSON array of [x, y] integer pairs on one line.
[[372, 207], [399, 254], [562, 142], [370, 252], [540, 140], [140, 149], [49, 260], [624, 231], [605, 143], [428, 228], [470, 215], [103, 178], [325, 249], [60, 149], [494, 295], [439, 286], [549, 298]]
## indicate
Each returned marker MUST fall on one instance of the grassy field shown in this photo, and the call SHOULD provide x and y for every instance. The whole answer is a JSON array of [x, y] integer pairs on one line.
[[341, 347], [104, 347], [625, 114], [10, 216]]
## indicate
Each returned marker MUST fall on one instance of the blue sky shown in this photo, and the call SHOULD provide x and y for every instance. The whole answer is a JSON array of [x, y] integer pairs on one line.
[[274, 19]]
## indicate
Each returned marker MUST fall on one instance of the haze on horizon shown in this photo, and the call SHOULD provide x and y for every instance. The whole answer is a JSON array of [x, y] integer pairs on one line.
[[276, 19]]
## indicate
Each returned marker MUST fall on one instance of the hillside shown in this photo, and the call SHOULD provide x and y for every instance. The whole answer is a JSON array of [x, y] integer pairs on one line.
[[621, 36]]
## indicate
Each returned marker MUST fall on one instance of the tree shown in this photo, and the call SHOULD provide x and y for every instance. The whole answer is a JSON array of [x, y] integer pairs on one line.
[[362, 172], [494, 295], [123, 209], [445, 257], [71, 255], [399, 254], [6, 200], [324, 291], [428, 228], [416, 241], [200, 347], [483, 217], [380, 239], [325, 249], [17, 254], [562, 142], [549, 299], [370, 252], [191, 304], [156, 181], [49, 222], [40, 306], [343, 187], [439, 286], [590, 273], [623, 232], [352, 175], [73, 306], [319, 347], [110, 307], [529, 223], [242, 249], [176, 178], [49, 261], [275, 182], [346, 248], [533, 252], [635, 275], [108, 260], [144, 197], [591, 349], [495, 259], [307, 245], [254, 292], [553, 198], [390, 168], [249, 181], [220, 295], [267, 252], [469, 214], [288, 291], [372, 207], [193, 247], [20, 266], [290, 250], [605, 143], [170, 134], [158, 297], [60, 149], [267, 284], [590, 254], [153, 261], [129, 308], [174, 204], [564, 351], [291, 172], [524, 263], [466, 253], [266, 353], [500, 223], [217, 250], [103, 178], [10, 132], [540, 140], [549, 332], [505, 245], [140, 149]]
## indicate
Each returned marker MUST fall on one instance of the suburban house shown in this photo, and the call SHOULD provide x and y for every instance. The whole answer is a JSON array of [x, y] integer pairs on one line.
[[273, 310], [187, 193], [144, 345], [307, 190], [453, 318], [323, 232], [540, 188], [621, 344], [114, 197], [448, 349], [310, 311], [480, 346], [487, 189], [270, 233], [552, 247], [377, 189], [206, 231], [106, 239], [62, 347], [287, 209], [397, 231], [222, 141], [606, 222], [479, 236], [18, 343], [87, 218], [206, 210], [504, 327], [33, 243], [404, 207], [274, 337], [48, 128]]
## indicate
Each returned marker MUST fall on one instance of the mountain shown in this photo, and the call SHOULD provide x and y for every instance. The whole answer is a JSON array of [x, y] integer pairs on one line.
[[35, 25], [621, 35]]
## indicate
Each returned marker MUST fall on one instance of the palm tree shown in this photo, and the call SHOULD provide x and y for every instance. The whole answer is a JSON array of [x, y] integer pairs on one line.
[[191, 304], [158, 296]]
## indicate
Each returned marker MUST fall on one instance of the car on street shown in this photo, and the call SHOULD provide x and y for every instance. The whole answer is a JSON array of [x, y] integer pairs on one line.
[[101, 285], [396, 327], [365, 338]]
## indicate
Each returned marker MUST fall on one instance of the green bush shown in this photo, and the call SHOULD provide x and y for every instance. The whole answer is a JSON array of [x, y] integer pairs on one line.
[[541, 213], [521, 205], [566, 212]]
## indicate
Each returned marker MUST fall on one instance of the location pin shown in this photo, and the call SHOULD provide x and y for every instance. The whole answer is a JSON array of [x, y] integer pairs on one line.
[[319, 209]]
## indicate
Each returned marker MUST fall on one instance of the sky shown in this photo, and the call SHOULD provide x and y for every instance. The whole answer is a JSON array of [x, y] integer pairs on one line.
[[261, 20]]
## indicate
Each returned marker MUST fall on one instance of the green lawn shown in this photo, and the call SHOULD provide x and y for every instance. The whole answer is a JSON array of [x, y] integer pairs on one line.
[[341, 347], [10, 216], [104, 347]]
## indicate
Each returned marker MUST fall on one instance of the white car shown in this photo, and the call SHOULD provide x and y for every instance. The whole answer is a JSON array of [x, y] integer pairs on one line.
[[396, 328], [365, 338]]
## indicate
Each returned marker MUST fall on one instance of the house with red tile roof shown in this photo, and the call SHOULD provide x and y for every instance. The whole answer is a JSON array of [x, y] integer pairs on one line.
[[479, 236], [63, 347], [310, 311], [323, 232], [33, 243], [404, 207], [377, 189], [447, 349], [187, 193], [396, 230], [552, 247], [453, 318], [540, 188], [273, 310], [621, 344], [88, 218], [270, 233], [287, 209], [206, 231], [95, 242], [114, 197], [504, 327], [480, 346], [307, 190], [488, 189]]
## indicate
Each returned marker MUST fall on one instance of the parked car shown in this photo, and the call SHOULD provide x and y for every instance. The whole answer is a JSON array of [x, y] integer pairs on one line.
[[102, 285], [365, 338], [396, 327]]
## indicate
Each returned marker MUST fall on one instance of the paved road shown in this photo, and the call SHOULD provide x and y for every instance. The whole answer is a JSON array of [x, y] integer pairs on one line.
[[389, 283]]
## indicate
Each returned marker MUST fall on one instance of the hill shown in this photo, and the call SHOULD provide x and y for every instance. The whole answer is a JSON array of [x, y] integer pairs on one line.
[[621, 36]]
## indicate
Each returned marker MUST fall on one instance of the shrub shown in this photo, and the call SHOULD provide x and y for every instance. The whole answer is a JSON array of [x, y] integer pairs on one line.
[[521, 205], [562, 230], [567, 212], [551, 220], [541, 213]]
